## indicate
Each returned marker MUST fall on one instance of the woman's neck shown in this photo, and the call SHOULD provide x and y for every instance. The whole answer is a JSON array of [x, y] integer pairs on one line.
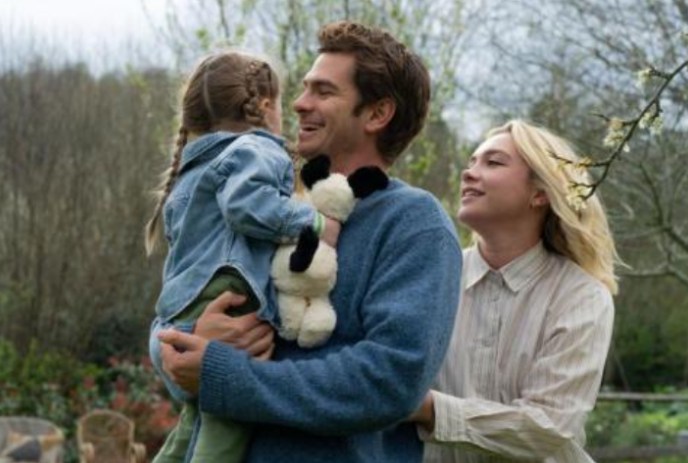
[[500, 248]]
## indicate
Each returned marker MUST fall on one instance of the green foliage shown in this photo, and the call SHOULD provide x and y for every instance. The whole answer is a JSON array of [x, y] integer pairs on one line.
[[612, 424], [651, 344], [603, 423], [204, 39], [56, 387], [38, 383]]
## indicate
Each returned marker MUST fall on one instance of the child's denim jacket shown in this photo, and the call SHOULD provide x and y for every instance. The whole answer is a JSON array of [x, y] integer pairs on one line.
[[230, 206]]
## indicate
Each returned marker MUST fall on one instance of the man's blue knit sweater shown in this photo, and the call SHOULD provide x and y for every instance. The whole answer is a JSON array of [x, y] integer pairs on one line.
[[396, 298]]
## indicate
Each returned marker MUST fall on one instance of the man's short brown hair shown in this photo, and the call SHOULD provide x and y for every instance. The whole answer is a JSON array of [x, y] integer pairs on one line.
[[385, 68]]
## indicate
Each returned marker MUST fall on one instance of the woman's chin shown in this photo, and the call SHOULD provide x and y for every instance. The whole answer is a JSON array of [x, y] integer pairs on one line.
[[468, 217]]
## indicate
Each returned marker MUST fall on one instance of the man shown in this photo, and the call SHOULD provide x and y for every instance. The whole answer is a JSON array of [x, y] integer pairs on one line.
[[364, 100]]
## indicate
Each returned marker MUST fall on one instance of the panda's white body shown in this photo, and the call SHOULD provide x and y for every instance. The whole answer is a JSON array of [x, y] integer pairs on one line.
[[305, 310]]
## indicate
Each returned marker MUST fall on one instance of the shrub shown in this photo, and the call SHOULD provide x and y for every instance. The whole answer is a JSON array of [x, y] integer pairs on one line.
[[56, 387]]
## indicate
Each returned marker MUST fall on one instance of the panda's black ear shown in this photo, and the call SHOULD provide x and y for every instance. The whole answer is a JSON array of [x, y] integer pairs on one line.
[[315, 170], [367, 180]]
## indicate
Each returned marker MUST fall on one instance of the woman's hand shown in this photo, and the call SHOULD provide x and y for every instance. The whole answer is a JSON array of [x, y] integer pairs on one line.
[[245, 333], [425, 415]]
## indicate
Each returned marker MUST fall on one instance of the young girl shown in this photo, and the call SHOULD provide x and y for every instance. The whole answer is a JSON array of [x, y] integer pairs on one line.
[[225, 206]]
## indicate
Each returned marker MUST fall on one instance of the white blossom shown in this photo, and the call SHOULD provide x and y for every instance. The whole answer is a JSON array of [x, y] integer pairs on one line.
[[616, 134], [657, 125], [616, 124], [580, 168], [644, 77], [653, 121], [646, 120], [576, 197]]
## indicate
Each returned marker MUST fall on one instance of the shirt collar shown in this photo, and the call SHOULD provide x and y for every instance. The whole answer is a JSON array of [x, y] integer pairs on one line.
[[516, 274], [476, 267], [202, 145]]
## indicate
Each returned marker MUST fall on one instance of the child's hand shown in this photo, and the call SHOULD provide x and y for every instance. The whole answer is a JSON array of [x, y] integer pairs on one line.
[[330, 234]]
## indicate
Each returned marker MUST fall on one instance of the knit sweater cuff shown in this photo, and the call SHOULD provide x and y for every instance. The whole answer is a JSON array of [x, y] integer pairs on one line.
[[222, 366]]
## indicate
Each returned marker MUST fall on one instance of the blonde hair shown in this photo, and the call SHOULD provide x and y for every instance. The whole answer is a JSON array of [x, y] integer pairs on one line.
[[228, 86], [582, 235]]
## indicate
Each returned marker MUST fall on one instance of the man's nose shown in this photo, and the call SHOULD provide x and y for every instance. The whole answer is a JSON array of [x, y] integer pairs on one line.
[[302, 103]]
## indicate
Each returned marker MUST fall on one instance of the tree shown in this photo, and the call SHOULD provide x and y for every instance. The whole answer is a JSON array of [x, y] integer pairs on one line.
[[76, 160]]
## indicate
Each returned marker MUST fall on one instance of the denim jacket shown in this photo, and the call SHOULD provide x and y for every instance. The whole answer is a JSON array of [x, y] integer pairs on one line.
[[230, 206]]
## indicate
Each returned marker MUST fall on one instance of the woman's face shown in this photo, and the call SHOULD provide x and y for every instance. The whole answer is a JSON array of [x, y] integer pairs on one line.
[[496, 187]]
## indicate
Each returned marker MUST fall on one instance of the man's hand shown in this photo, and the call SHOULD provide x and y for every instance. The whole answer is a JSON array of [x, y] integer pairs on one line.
[[330, 234], [245, 333], [182, 357]]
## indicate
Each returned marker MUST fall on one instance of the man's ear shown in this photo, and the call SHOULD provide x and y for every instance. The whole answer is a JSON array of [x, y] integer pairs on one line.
[[379, 114]]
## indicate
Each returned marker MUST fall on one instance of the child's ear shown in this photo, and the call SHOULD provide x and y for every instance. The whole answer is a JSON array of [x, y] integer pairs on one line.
[[266, 104], [379, 114]]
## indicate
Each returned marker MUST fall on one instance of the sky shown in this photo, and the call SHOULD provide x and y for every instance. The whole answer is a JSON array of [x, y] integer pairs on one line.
[[83, 25], [88, 18], [106, 34]]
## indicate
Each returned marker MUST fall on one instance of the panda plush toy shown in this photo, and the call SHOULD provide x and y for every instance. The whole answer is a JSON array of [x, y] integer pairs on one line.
[[304, 273]]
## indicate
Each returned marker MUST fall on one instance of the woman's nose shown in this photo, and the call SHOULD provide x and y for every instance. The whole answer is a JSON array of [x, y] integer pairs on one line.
[[469, 173]]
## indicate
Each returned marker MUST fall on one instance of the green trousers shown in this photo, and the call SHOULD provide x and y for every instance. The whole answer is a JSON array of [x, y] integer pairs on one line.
[[219, 440]]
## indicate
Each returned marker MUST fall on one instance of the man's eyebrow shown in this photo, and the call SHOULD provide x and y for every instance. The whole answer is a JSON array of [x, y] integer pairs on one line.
[[319, 83]]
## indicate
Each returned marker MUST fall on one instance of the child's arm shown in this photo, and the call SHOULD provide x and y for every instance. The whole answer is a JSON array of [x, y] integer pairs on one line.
[[255, 181]]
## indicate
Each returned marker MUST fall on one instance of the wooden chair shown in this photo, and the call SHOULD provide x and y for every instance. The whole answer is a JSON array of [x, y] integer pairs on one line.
[[17, 429], [104, 436]]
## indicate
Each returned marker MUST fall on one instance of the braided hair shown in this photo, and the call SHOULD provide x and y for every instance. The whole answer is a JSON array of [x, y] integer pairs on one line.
[[225, 88]]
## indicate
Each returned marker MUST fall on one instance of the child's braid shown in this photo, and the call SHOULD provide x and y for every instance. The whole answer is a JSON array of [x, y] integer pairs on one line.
[[254, 115], [170, 178]]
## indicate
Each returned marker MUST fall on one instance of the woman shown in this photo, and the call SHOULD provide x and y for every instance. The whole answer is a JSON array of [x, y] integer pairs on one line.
[[535, 321]]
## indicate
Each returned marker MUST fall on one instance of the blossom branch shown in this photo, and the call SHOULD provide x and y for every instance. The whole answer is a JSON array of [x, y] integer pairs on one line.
[[620, 133]]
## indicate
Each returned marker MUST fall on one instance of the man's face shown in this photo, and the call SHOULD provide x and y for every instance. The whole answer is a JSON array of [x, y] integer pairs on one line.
[[327, 123]]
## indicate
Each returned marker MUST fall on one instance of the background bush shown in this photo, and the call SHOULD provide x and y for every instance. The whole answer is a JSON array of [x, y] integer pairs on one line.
[[56, 387]]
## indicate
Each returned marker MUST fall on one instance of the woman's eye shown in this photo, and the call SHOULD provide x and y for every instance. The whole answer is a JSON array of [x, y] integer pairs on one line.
[[494, 163]]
